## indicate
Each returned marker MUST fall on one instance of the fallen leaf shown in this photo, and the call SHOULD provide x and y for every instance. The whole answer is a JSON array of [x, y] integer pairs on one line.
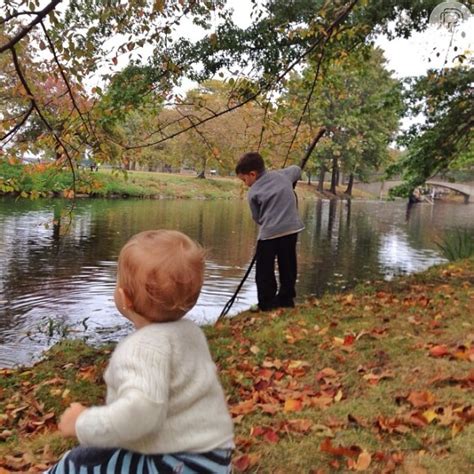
[[300, 425], [293, 405], [326, 373], [430, 415], [421, 399], [271, 436], [242, 463], [243, 408], [338, 396], [327, 447], [257, 431], [439, 351], [363, 461], [349, 340]]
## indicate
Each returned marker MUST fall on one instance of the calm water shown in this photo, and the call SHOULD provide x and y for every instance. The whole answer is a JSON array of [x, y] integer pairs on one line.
[[51, 282]]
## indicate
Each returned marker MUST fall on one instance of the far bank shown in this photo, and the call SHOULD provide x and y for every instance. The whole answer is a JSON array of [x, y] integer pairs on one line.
[[40, 180]]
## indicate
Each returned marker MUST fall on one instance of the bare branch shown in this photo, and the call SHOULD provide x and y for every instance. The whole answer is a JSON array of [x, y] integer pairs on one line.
[[19, 124], [262, 129], [16, 15], [265, 88], [308, 99], [22, 33]]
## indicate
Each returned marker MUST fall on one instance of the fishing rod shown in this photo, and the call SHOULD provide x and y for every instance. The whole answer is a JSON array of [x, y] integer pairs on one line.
[[303, 162]]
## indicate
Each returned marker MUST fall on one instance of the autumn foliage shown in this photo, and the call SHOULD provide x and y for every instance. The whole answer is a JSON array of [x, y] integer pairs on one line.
[[377, 380]]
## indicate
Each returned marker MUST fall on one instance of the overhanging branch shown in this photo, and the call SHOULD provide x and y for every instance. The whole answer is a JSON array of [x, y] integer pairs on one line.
[[265, 88], [19, 124], [34, 104], [23, 32]]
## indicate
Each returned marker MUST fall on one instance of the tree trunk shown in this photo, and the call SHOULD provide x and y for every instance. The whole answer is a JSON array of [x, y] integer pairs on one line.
[[309, 177], [348, 190], [202, 174], [322, 172], [334, 173]]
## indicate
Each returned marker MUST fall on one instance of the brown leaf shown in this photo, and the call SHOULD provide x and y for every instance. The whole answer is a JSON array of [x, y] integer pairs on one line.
[[439, 351], [327, 447], [271, 436], [299, 425], [269, 408], [87, 373], [421, 399], [5, 434], [320, 402], [326, 373], [242, 463], [246, 461], [356, 420], [257, 431], [243, 408]]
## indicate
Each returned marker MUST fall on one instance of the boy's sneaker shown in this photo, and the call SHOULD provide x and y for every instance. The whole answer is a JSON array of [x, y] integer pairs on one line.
[[254, 308]]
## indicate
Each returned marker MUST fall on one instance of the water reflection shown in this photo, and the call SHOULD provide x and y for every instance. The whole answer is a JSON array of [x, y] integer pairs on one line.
[[48, 282]]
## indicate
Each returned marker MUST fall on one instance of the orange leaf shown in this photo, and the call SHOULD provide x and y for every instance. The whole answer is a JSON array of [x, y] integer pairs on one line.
[[271, 436], [327, 447], [269, 408], [293, 405], [421, 399], [439, 351], [326, 373], [243, 408], [242, 463], [300, 425], [363, 461], [257, 431]]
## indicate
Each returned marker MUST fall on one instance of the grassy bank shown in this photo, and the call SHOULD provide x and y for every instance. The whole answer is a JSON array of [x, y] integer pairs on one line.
[[46, 180], [380, 379]]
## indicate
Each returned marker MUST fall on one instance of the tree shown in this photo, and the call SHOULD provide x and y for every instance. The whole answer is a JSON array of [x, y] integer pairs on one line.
[[74, 38], [360, 105], [444, 139], [283, 36]]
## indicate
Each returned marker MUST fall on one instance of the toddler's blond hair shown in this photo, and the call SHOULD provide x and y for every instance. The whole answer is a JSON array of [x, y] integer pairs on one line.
[[162, 272]]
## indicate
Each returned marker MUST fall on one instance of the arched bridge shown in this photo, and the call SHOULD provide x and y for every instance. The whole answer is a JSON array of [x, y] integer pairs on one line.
[[466, 189]]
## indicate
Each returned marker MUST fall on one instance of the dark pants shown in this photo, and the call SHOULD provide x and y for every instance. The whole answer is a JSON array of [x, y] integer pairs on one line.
[[284, 250]]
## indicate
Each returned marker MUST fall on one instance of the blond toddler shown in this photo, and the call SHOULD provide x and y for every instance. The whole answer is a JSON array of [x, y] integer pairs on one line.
[[165, 410]]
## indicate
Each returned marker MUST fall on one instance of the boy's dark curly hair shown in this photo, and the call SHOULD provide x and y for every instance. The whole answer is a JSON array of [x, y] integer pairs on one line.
[[251, 161]]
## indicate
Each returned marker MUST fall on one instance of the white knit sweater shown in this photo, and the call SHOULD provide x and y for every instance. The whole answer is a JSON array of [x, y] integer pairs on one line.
[[163, 395]]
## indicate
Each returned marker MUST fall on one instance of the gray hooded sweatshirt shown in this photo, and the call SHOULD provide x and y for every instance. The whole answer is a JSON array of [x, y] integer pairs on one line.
[[273, 203]]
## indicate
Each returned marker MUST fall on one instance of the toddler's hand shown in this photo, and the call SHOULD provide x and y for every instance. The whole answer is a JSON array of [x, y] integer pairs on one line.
[[67, 422]]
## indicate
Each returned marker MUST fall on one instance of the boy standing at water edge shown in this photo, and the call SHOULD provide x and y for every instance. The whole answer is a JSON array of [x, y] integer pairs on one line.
[[165, 410], [273, 205]]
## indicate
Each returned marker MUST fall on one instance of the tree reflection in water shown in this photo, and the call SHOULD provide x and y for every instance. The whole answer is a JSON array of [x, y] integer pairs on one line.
[[44, 274]]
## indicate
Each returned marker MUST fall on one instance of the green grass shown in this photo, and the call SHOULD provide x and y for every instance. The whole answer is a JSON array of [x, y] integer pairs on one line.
[[457, 244], [383, 331], [31, 181]]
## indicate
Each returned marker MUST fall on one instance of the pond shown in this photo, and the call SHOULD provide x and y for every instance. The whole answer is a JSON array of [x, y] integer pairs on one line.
[[54, 283]]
